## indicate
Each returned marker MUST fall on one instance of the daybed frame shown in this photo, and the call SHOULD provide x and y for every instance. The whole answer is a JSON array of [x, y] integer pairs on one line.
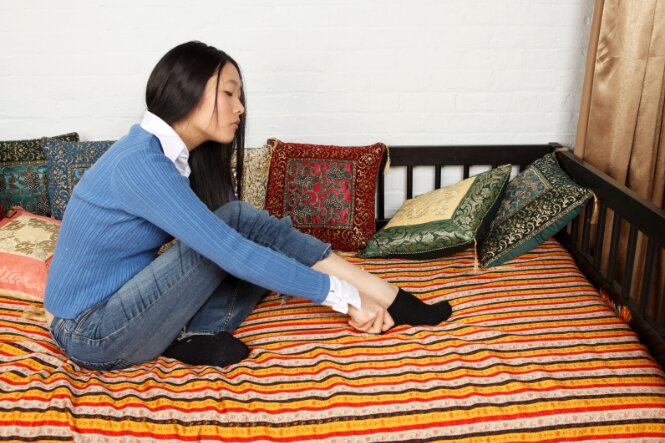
[[640, 215], [569, 370]]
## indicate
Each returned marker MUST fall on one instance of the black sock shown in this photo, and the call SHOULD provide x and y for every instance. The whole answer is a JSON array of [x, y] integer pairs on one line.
[[406, 309], [221, 349]]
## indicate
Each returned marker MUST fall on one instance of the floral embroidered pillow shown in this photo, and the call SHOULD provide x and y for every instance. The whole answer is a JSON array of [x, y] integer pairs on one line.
[[538, 203], [442, 221], [23, 179], [27, 242], [328, 191], [65, 165]]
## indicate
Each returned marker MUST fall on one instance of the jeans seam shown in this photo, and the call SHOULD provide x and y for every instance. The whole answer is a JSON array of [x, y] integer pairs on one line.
[[82, 318], [226, 321]]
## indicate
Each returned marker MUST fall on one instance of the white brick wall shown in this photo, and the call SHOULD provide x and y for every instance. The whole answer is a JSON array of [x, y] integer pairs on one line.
[[339, 71], [322, 71]]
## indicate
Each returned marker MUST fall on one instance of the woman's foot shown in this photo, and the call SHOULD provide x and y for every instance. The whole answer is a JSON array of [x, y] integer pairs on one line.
[[221, 349], [407, 309]]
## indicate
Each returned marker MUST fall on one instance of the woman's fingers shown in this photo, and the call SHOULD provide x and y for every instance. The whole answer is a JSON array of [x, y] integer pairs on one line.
[[371, 318], [366, 326], [388, 322], [377, 324]]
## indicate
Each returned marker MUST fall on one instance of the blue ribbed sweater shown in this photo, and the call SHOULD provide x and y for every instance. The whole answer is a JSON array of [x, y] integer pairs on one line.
[[129, 203]]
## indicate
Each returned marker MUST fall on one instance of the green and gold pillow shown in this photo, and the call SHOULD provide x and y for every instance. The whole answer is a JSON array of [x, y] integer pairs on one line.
[[23, 179], [65, 165], [538, 203], [442, 221]]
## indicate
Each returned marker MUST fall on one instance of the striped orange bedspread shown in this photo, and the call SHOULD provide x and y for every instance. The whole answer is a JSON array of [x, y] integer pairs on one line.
[[531, 353]]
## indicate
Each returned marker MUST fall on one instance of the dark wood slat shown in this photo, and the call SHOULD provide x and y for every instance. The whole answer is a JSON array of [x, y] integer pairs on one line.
[[600, 237], [630, 263], [437, 176], [466, 172], [586, 229], [614, 246], [649, 265], [574, 229], [409, 182]]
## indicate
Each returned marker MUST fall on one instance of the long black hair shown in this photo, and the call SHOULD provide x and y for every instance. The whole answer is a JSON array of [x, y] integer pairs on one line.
[[175, 87]]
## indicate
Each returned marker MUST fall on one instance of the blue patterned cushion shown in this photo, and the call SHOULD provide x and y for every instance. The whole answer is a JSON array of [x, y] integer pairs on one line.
[[65, 165], [23, 179], [537, 203]]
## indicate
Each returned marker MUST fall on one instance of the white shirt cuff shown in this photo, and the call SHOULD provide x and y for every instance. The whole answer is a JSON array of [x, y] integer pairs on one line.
[[341, 295]]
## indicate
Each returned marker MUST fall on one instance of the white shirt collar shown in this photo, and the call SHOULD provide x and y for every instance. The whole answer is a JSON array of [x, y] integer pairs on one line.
[[172, 145]]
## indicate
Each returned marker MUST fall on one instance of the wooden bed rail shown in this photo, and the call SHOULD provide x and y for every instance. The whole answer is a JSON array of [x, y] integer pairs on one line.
[[641, 216]]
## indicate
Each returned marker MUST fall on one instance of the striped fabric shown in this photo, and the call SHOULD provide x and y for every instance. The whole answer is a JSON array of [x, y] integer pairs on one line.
[[531, 353]]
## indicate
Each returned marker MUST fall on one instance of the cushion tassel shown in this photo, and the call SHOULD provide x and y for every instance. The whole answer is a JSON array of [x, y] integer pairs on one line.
[[35, 313], [476, 264], [622, 311], [386, 168]]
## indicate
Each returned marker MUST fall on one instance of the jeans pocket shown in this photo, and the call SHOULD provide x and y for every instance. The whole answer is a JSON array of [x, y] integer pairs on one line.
[[80, 322]]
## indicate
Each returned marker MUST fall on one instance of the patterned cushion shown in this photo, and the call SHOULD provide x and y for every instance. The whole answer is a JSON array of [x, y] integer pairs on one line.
[[328, 191], [23, 174], [540, 201], [256, 166], [27, 242], [442, 221], [66, 163]]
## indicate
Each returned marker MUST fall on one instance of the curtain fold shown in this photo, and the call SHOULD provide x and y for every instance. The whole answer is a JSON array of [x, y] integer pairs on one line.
[[620, 129]]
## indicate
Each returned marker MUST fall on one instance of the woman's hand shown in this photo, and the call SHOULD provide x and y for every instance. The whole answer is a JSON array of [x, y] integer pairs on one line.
[[371, 317]]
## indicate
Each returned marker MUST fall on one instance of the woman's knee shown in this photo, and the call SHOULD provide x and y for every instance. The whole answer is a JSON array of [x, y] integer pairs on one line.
[[235, 212]]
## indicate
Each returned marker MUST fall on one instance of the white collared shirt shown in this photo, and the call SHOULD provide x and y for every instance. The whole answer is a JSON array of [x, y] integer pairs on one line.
[[172, 145]]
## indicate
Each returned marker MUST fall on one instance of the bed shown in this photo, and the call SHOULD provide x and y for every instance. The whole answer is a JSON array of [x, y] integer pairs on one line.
[[548, 347]]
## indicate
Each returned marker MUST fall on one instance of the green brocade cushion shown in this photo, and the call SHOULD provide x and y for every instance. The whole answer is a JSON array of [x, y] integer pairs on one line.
[[538, 203], [442, 221], [65, 165], [23, 179]]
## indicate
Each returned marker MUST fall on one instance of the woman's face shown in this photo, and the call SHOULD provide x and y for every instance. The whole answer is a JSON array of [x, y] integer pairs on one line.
[[219, 124]]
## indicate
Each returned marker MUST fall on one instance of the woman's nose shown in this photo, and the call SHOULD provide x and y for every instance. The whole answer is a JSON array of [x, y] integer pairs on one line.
[[239, 108]]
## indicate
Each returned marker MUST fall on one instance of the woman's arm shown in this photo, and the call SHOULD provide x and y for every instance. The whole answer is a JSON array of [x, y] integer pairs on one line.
[[149, 187]]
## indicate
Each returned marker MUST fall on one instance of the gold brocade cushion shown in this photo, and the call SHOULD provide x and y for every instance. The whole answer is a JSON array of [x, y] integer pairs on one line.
[[442, 221], [27, 242], [255, 171]]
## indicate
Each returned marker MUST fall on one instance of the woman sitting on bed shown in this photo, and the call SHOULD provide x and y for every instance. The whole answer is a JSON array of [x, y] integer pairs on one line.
[[114, 303]]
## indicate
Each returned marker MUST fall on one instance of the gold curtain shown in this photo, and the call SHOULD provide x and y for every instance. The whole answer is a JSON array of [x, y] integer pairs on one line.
[[620, 129]]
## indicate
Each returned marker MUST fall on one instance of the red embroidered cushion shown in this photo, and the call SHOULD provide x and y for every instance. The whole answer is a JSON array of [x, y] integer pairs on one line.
[[328, 191]]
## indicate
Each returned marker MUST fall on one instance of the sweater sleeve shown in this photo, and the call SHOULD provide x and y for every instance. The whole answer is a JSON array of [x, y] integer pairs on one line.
[[150, 187]]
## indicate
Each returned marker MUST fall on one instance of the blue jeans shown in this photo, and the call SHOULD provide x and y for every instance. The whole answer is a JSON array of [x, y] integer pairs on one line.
[[179, 293]]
